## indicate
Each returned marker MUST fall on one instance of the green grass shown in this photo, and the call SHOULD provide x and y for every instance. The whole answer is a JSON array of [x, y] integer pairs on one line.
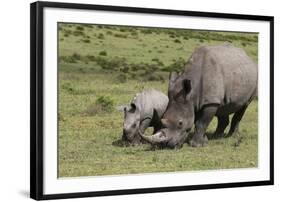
[[89, 135]]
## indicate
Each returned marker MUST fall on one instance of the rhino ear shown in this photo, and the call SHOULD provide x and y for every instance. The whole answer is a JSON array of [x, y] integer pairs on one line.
[[187, 87], [125, 109], [133, 107]]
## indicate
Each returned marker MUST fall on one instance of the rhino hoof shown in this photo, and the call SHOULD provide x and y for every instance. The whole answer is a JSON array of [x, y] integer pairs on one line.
[[199, 142]]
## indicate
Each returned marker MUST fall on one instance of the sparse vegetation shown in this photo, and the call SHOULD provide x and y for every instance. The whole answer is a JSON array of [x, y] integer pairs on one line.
[[103, 53], [100, 36], [80, 28], [103, 104], [177, 65], [86, 40], [122, 78], [124, 36]]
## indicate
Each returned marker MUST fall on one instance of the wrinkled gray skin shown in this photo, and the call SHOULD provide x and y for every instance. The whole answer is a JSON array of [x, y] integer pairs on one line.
[[217, 81], [145, 110]]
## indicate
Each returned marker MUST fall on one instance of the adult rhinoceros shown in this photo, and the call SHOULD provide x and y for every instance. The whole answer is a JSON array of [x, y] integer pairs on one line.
[[217, 81]]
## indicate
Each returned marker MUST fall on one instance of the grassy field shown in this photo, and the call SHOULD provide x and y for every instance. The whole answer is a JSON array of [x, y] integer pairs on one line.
[[102, 67]]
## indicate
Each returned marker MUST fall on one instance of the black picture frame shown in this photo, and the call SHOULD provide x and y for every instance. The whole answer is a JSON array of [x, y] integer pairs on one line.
[[36, 98]]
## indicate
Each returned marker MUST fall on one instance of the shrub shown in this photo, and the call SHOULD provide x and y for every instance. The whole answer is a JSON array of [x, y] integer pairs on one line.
[[134, 33], [201, 40], [125, 69], [78, 33], [177, 65], [86, 40], [106, 103], [76, 56], [120, 36], [158, 62], [80, 28], [82, 70], [70, 59], [146, 31], [122, 30], [102, 104], [67, 32], [67, 59], [68, 87], [100, 36], [89, 26], [134, 67], [110, 64], [109, 32], [244, 44], [177, 41], [152, 77], [91, 58], [72, 89], [122, 78], [149, 69], [103, 53], [133, 75]]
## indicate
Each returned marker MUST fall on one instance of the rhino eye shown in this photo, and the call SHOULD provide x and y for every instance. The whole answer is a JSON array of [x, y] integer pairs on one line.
[[180, 122], [134, 125]]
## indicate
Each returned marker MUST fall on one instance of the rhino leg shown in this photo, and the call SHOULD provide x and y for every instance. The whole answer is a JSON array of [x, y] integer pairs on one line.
[[223, 122], [236, 120], [200, 139]]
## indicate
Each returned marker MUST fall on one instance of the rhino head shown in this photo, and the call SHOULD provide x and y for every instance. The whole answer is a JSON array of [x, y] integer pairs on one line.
[[131, 124], [179, 116]]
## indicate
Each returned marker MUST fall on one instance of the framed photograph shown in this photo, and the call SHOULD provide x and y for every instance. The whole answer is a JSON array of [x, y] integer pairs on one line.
[[129, 100]]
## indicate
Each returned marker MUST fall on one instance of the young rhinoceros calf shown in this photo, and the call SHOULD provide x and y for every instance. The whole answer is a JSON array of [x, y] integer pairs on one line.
[[146, 109]]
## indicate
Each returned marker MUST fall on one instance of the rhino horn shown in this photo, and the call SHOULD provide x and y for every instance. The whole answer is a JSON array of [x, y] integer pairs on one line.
[[155, 139]]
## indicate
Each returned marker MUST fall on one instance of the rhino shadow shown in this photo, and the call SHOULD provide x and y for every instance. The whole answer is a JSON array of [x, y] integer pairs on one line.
[[120, 143], [210, 136]]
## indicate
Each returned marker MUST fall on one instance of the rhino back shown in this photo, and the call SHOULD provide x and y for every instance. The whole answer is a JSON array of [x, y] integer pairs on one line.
[[224, 75], [149, 102]]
